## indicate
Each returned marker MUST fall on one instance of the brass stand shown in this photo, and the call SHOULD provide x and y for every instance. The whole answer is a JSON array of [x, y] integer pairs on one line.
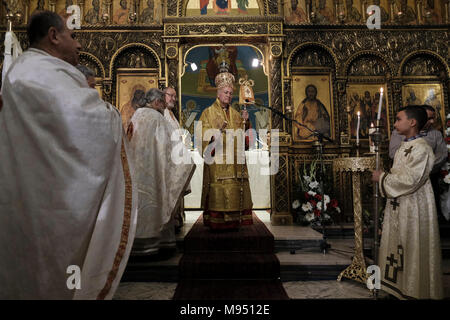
[[356, 165]]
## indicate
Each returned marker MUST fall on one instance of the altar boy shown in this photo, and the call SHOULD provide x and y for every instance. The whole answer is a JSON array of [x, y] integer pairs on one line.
[[410, 251]]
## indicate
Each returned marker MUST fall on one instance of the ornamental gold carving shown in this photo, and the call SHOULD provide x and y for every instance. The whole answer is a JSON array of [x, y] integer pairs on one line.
[[275, 50], [171, 52]]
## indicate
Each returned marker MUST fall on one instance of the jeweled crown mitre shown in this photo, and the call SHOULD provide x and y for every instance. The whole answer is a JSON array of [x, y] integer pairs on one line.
[[224, 78]]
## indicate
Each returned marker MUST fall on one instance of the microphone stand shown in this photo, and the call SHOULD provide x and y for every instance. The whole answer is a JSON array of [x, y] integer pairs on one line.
[[324, 245]]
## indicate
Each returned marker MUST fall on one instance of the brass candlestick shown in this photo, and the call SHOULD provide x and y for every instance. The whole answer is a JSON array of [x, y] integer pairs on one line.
[[357, 270]]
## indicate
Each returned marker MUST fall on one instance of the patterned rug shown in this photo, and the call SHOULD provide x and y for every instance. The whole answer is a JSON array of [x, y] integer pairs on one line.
[[225, 265]]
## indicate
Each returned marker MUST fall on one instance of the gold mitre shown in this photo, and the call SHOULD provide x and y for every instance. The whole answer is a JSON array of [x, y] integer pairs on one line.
[[224, 78]]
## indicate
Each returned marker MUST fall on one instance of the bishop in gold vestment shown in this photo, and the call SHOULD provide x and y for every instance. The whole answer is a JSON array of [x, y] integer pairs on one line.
[[410, 251], [226, 197]]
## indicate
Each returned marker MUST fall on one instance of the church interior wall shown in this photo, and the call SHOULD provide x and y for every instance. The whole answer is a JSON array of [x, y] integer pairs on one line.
[[409, 53]]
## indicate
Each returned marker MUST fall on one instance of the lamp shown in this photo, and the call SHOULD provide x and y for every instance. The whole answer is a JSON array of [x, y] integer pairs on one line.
[[255, 62], [193, 65]]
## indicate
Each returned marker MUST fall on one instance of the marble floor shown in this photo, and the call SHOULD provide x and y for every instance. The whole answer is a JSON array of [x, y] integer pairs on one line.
[[327, 289], [322, 289]]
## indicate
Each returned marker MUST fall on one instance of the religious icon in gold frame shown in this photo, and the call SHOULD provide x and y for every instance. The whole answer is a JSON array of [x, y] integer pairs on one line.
[[365, 98], [151, 11], [426, 93], [313, 106], [131, 89], [91, 12], [121, 11]]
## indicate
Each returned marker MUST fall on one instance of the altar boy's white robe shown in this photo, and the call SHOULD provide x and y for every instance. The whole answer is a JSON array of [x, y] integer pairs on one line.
[[162, 172], [66, 201], [410, 251]]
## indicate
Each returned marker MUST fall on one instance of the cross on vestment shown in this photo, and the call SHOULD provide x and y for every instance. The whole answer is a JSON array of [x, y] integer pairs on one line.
[[392, 263], [395, 264], [395, 204], [408, 151]]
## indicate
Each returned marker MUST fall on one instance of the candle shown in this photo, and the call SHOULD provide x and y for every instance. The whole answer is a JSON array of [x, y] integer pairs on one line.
[[371, 144], [357, 129], [379, 104]]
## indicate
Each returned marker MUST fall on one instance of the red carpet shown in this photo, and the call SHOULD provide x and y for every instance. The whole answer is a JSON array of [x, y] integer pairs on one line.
[[227, 265]]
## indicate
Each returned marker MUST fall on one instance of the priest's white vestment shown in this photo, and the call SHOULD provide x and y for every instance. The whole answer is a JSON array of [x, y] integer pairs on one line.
[[179, 214], [162, 171], [410, 251], [66, 199]]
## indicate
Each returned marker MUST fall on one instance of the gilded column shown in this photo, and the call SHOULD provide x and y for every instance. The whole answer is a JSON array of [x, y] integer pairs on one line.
[[397, 95], [280, 196], [172, 69], [342, 107], [419, 9], [52, 5], [446, 17], [106, 15], [276, 82], [81, 4]]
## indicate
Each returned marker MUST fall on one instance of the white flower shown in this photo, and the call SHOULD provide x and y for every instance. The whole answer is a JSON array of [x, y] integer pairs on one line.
[[312, 193], [319, 206], [327, 200], [326, 216], [313, 184], [307, 207], [309, 216], [307, 179], [338, 210], [295, 204], [448, 116], [447, 179]]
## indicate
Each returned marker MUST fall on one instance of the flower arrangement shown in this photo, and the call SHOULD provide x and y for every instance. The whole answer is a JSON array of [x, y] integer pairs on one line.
[[308, 204]]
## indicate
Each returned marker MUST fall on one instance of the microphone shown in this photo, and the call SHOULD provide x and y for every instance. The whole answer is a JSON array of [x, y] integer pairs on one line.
[[263, 106], [281, 114]]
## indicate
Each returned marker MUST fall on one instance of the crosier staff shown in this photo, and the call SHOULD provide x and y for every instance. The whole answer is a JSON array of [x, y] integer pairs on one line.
[[246, 96]]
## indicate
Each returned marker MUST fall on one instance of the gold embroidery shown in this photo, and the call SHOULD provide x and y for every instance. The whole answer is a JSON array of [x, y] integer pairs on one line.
[[125, 227]]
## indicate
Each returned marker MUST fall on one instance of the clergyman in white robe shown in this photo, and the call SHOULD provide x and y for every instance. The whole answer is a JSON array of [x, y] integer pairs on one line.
[[66, 199], [160, 181], [410, 251], [168, 114]]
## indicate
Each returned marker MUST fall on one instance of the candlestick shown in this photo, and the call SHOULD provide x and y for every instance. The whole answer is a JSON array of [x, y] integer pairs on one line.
[[357, 128], [379, 104]]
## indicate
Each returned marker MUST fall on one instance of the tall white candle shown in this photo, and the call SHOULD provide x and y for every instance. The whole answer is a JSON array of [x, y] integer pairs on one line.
[[379, 104], [371, 144], [357, 128]]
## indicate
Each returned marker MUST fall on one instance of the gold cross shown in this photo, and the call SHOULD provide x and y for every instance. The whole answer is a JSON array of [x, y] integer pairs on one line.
[[408, 151]]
